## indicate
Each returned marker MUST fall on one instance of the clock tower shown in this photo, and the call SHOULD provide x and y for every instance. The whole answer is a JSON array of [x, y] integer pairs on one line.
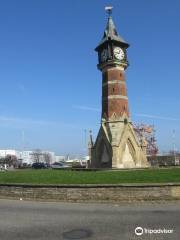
[[116, 145]]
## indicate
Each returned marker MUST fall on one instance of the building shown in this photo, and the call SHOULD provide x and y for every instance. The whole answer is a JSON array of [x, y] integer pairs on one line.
[[27, 157], [58, 158], [4, 153], [30, 157], [117, 145]]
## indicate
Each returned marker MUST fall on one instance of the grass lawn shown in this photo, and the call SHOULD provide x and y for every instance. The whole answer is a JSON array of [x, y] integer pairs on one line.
[[101, 177]]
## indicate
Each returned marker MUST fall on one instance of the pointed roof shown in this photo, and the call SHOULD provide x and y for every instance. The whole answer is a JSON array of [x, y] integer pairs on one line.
[[111, 33], [90, 143]]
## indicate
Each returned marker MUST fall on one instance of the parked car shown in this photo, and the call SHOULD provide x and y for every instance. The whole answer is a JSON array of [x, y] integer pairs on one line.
[[39, 165], [59, 165]]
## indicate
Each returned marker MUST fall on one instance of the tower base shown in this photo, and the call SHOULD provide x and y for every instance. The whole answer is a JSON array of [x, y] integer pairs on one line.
[[117, 146]]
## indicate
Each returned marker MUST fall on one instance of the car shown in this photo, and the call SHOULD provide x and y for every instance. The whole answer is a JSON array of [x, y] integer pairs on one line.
[[38, 165], [59, 165]]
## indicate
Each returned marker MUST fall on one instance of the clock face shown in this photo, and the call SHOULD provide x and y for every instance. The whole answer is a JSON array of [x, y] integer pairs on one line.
[[104, 55], [118, 53]]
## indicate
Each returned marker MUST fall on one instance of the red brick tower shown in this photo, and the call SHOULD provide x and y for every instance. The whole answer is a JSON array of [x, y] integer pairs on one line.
[[112, 62], [114, 93], [116, 145]]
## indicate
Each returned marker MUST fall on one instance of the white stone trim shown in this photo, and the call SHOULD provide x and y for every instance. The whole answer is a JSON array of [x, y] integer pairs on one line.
[[113, 81], [112, 68], [116, 97], [118, 67]]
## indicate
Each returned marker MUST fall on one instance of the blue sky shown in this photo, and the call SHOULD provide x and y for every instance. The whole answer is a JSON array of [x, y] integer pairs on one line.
[[50, 86]]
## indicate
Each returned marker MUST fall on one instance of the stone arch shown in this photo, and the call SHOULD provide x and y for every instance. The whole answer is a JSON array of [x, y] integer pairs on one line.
[[128, 154], [132, 149], [104, 153]]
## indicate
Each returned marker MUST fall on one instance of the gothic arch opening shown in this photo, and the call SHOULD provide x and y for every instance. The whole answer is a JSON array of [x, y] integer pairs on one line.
[[104, 154], [129, 155], [131, 149]]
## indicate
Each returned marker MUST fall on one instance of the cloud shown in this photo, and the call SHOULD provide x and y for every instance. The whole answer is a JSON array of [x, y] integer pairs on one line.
[[15, 122], [156, 117], [86, 108], [22, 121]]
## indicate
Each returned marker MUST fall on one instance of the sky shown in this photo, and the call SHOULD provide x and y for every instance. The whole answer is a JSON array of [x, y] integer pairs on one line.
[[51, 88]]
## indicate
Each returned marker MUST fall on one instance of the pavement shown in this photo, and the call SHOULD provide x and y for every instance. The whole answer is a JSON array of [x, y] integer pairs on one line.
[[25, 220]]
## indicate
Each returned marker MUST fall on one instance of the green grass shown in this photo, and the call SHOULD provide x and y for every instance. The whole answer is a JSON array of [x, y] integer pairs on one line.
[[101, 177]]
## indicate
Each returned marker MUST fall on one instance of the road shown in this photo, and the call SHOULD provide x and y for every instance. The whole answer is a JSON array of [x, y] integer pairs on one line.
[[25, 220]]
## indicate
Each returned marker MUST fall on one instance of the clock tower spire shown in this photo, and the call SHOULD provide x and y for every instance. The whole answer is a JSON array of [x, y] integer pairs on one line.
[[116, 145], [112, 57]]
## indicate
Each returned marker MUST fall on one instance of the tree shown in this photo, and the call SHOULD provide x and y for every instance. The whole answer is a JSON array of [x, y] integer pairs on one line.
[[10, 160], [47, 157], [37, 155]]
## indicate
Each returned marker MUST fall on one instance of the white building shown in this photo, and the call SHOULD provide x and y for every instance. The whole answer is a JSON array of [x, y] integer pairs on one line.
[[51, 155], [27, 156], [4, 153], [59, 158]]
